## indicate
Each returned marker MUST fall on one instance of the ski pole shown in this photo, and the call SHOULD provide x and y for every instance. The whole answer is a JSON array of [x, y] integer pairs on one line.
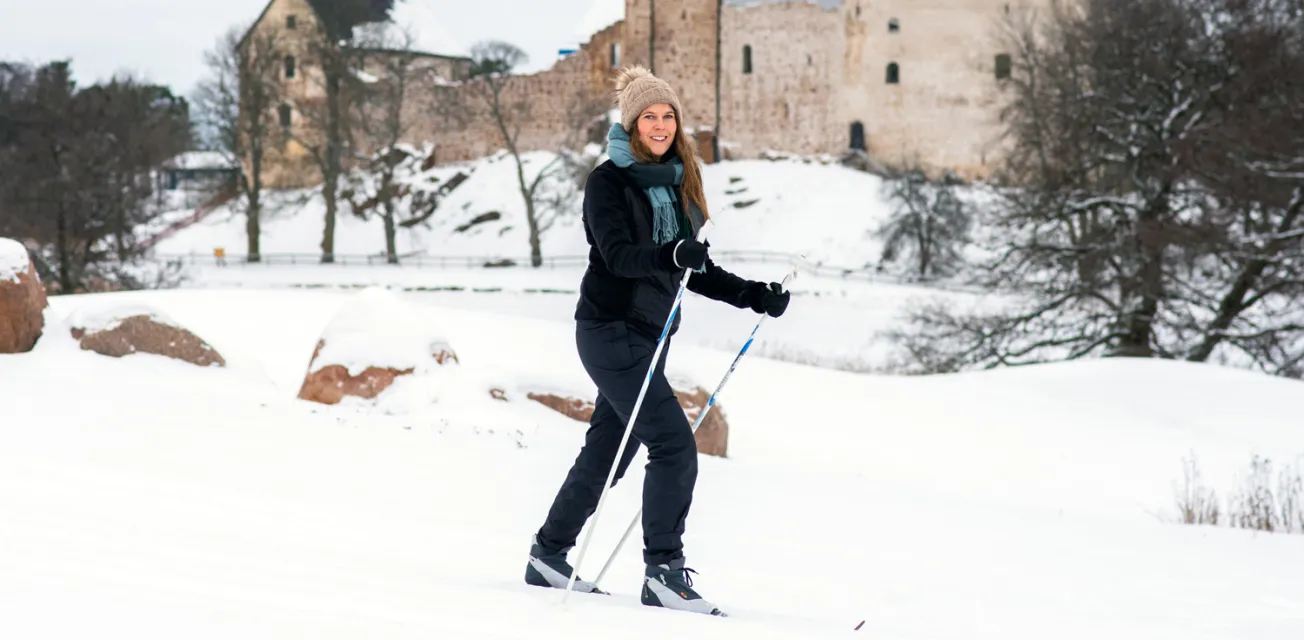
[[697, 423], [633, 415]]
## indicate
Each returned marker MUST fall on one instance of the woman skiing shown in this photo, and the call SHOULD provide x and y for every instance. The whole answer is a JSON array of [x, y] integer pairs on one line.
[[642, 211]]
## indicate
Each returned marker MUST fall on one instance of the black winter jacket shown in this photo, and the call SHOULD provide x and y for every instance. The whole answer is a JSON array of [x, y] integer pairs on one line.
[[626, 278]]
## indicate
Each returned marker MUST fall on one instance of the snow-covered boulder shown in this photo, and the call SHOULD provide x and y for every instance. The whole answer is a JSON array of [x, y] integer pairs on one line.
[[123, 329], [712, 437], [374, 340], [22, 299], [573, 408]]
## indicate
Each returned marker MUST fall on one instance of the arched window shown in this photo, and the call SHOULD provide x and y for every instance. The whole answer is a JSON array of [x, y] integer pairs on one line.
[[1003, 66], [893, 26], [285, 114], [747, 58], [615, 54], [893, 73], [858, 135], [289, 66]]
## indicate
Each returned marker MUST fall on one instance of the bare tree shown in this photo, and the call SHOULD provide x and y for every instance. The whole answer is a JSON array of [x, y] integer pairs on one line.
[[1156, 190], [237, 101], [493, 62], [1255, 175], [586, 133], [393, 72], [328, 125], [76, 168], [929, 222]]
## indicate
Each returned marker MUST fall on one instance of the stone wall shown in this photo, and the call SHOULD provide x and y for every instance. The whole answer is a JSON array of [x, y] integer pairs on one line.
[[683, 51], [818, 73], [287, 162], [783, 103], [550, 107], [944, 108]]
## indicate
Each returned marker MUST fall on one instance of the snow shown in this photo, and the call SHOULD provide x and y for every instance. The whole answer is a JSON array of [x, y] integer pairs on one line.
[[13, 260], [766, 212], [791, 206], [379, 329], [170, 500], [833, 322], [107, 313], [201, 160]]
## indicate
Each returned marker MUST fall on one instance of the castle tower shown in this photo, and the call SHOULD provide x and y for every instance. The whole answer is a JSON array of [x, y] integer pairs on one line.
[[676, 39], [920, 80]]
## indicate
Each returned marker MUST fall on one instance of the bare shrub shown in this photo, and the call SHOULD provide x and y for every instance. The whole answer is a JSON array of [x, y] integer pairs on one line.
[[1258, 507], [1196, 503], [1264, 501], [1290, 498]]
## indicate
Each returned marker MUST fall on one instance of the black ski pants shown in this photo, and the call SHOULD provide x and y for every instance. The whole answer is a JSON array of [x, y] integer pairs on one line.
[[617, 359]]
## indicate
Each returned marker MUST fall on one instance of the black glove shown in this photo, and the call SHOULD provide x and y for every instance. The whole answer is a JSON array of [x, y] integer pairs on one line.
[[686, 254], [772, 299]]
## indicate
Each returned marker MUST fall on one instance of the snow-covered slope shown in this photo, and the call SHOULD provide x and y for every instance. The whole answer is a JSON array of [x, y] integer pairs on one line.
[[170, 501], [789, 206]]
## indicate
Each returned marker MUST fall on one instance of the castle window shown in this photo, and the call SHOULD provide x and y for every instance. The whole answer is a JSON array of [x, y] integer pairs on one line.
[[893, 26], [893, 73], [747, 58], [858, 135], [291, 22], [289, 66], [615, 54], [284, 112], [1003, 65]]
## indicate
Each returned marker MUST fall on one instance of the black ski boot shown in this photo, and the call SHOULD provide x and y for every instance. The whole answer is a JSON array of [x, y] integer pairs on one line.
[[548, 568], [669, 586]]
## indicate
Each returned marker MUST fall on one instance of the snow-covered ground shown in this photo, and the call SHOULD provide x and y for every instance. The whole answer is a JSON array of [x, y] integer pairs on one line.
[[788, 206], [791, 207], [831, 322], [146, 498]]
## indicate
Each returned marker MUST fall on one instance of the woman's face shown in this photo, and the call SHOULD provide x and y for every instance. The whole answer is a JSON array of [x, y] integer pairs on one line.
[[656, 128]]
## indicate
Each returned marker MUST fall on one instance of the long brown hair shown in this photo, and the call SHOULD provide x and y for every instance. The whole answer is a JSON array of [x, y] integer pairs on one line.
[[686, 149]]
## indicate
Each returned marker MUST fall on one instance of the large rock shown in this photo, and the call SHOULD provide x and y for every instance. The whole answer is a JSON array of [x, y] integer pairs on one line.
[[126, 329], [712, 436], [572, 408], [22, 299], [374, 340]]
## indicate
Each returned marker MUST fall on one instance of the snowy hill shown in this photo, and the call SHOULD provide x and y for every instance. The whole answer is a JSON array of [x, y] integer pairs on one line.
[[788, 206], [172, 501], [766, 212]]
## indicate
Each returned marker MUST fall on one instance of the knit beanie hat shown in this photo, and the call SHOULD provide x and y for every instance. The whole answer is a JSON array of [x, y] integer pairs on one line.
[[637, 89]]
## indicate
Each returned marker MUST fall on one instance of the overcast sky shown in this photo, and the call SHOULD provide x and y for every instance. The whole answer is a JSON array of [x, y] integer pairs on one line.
[[164, 40]]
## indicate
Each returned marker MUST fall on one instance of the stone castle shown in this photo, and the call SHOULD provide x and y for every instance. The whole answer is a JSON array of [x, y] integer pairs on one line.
[[900, 80]]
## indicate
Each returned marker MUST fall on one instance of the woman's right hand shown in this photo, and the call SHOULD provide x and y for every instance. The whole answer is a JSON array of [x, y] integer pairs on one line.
[[684, 254]]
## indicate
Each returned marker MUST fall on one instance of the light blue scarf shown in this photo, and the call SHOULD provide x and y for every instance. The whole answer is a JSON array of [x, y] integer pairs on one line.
[[655, 180]]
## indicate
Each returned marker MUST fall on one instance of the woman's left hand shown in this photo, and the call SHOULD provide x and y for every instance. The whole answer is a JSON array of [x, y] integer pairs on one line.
[[772, 299]]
